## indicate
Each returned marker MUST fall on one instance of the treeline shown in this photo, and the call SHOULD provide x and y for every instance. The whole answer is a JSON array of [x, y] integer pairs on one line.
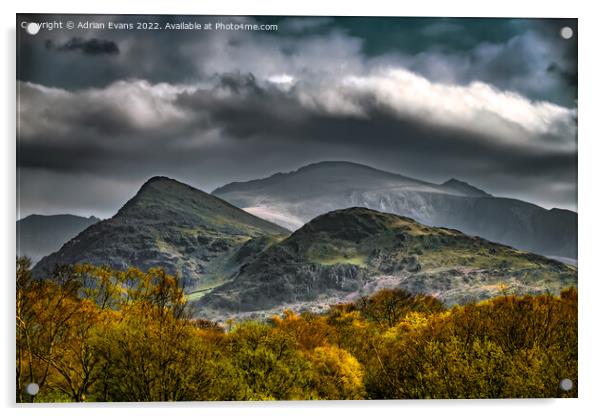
[[95, 334]]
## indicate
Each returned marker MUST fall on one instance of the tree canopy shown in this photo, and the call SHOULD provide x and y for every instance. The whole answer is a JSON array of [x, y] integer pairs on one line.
[[89, 333]]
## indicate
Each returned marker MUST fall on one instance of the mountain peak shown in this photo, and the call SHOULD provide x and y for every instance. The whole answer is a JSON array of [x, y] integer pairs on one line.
[[464, 187], [356, 213], [166, 224], [334, 163], [355, 223], [162, 180], [159, 189], [159, 185], [165, 199], [342, 168], [323, 178]]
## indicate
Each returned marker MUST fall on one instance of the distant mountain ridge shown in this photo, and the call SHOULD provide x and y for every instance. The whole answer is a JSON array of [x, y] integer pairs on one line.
[[171, 225], [40, 235], [294, 198], [369, 177]]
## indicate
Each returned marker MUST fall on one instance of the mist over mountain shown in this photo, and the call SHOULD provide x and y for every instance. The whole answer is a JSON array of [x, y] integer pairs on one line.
[[171, 225], [40, 235], [291, 199]]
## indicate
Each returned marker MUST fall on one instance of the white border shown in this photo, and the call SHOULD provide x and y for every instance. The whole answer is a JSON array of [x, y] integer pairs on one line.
[[590, 230]]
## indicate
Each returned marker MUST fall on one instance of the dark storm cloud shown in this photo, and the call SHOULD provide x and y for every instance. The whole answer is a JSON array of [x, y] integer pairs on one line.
[[91, 46], [239, 128], [406, 142], [439, 99], [156, 57]]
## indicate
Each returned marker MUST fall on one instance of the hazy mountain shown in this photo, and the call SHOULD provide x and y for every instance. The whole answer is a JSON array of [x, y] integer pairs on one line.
[[171, 225], [40, 235], [291, 199], [347, 253]]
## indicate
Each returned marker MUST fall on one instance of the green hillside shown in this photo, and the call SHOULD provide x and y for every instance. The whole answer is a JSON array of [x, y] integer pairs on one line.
[[356, 251]]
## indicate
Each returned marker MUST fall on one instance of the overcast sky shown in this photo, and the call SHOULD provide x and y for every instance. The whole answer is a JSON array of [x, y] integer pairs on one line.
[[488, 101]]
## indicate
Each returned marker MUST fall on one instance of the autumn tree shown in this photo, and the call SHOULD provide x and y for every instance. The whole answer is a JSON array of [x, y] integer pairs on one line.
[[388, 306], [91, 333], [336, 374]]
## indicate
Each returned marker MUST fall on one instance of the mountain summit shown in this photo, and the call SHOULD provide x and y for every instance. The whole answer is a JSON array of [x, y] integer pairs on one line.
[[167, 224], [294, 198], [162, 198], [320, 179], [464, 188]]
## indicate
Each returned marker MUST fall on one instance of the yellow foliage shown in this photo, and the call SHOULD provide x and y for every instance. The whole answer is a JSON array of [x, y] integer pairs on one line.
[[337, 374], [90, 333]]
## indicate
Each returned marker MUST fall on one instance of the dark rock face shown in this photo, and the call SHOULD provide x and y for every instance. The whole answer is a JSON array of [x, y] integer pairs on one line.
[[313, 190], [170, 225], [293, 283]]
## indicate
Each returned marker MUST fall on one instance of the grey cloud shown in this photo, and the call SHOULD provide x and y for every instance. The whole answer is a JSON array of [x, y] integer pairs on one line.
[[91, 46], [241, 128], [313, 46], [529, 63]]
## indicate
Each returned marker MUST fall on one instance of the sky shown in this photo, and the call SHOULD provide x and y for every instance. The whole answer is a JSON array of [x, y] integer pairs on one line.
[[492, 102]]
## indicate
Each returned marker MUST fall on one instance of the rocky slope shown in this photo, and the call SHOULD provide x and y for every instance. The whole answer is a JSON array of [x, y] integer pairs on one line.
[[352, 252], [171, 225], [291, 199]]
